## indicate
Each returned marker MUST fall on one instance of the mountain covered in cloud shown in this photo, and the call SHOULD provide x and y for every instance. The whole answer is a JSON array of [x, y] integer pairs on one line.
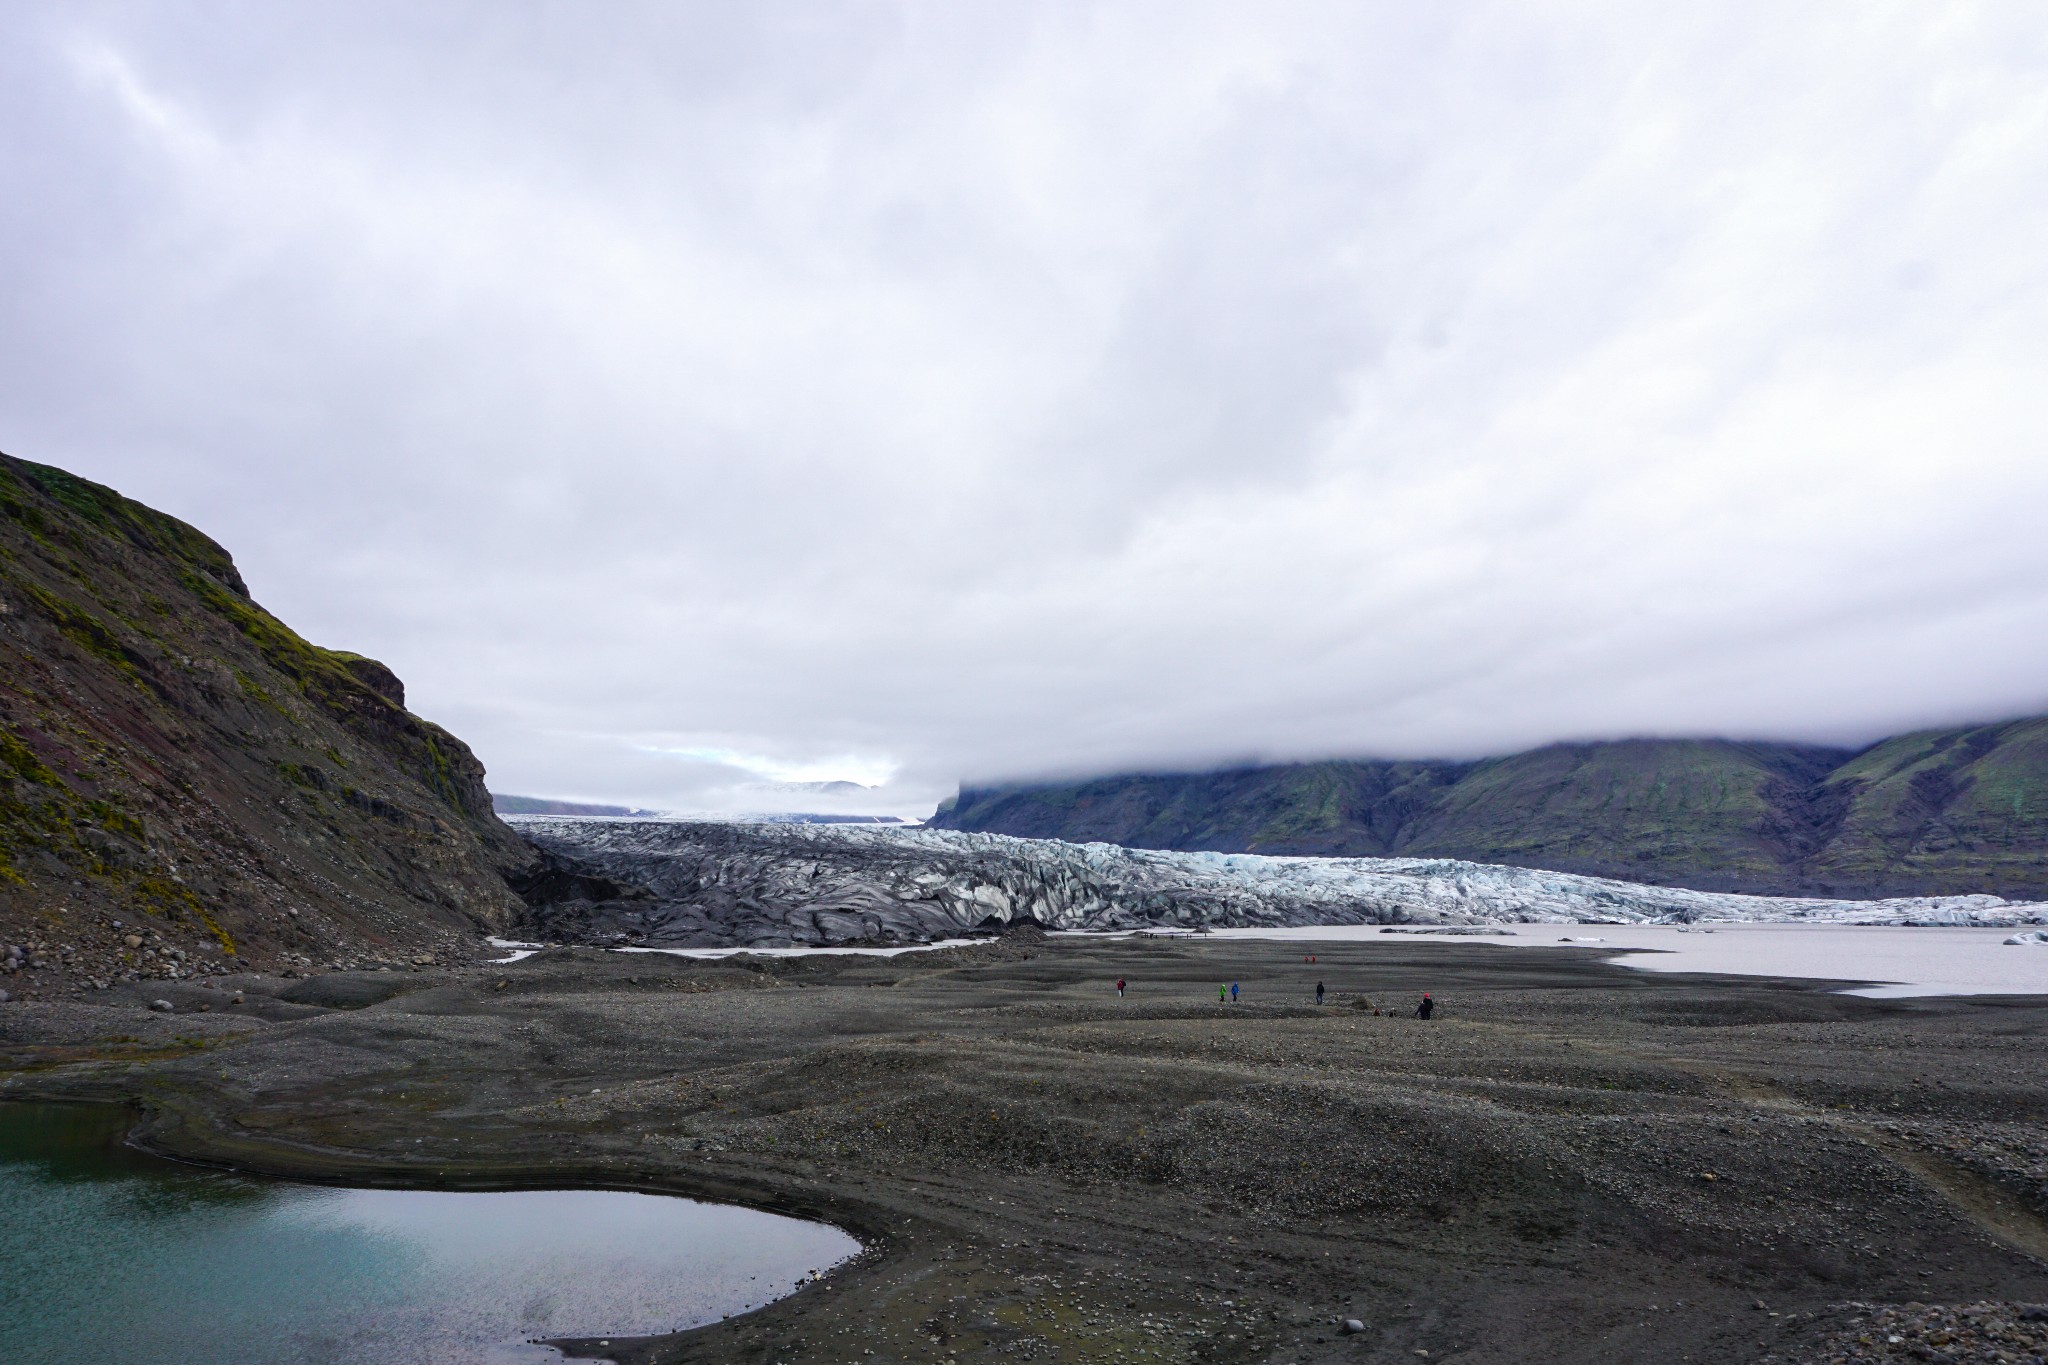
[[506, 804], [706, 884], [1939, 812]]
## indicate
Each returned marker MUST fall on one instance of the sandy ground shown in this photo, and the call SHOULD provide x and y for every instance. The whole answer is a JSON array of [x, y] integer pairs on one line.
[[1571, 1162]]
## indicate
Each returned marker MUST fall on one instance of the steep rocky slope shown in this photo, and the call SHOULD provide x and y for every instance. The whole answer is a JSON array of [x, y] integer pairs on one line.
[[185, 782], [1940, 813]]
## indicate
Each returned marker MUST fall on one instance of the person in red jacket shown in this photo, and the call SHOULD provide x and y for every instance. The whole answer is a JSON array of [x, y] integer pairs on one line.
[[1119, 988], [1426, 1008]]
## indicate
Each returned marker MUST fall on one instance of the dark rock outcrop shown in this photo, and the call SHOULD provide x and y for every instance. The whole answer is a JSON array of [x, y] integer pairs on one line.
[[176, 759]]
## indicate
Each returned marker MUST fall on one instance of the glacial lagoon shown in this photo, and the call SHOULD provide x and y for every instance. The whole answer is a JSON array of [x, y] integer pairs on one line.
[[109, 1256], [1887, 960]]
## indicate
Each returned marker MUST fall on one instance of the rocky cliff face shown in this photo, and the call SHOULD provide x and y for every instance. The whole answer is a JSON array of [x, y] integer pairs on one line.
[[669, 883], [186, 783], [1940, 813]]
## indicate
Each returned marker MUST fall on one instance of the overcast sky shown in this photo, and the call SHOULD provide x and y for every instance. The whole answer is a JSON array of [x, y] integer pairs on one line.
[[683, 397]]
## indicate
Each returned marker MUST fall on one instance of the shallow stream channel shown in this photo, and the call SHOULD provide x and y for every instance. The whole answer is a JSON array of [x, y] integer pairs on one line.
[[111, 1256]]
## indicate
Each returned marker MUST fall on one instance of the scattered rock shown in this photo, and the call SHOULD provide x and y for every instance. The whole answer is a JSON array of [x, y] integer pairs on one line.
[[1352, 1327], [161, 1006], [1914, 1332]]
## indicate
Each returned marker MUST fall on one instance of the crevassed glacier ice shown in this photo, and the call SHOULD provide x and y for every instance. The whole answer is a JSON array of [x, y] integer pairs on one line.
[[689, 883]]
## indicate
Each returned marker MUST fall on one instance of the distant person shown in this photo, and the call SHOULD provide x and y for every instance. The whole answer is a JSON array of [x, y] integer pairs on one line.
[[1426, 1008], [1319, 992], [1119, 988], [1233, 992], [1222, 994]]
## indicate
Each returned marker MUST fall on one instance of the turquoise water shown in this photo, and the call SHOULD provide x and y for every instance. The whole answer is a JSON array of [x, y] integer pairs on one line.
[[111, 1257]]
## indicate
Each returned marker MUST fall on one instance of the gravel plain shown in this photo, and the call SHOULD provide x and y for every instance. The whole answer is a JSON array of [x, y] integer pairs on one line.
[[1570, 1162]]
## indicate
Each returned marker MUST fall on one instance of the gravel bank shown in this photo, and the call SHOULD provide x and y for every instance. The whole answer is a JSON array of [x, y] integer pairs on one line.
[[1570, 1162]]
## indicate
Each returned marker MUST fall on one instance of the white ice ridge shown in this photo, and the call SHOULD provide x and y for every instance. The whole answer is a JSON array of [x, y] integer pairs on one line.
[[523, 950], [838, 883]]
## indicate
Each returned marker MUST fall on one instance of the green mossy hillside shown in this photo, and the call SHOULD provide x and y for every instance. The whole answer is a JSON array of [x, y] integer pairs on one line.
[[174, 756], [1936, 813], [1917, 808]]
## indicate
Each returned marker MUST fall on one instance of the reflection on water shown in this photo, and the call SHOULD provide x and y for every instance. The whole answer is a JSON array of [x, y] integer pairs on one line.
[[110, 1257], [1900, 961]]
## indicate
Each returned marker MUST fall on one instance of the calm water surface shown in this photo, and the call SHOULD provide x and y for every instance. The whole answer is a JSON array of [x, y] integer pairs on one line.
[[1895, 961], [111, 1257]]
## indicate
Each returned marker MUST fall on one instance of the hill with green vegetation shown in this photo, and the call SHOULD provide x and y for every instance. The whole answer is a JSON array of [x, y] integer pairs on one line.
[[1936, 813], [186, 783], [1924, 809]]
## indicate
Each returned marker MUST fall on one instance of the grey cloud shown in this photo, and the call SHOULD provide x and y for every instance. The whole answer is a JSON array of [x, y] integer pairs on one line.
[[995, 391]]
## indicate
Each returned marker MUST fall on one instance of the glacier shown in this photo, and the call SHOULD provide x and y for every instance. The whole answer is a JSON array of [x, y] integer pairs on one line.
[[688, 883]]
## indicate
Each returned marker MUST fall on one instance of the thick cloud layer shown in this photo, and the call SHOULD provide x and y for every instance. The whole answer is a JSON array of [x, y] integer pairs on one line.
[[695, 402]]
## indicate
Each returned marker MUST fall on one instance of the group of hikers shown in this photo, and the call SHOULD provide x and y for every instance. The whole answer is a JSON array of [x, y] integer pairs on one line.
[[1227, 992]]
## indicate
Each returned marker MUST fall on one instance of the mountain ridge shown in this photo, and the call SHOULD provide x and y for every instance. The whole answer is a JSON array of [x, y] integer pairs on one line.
[[1931, 812]]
